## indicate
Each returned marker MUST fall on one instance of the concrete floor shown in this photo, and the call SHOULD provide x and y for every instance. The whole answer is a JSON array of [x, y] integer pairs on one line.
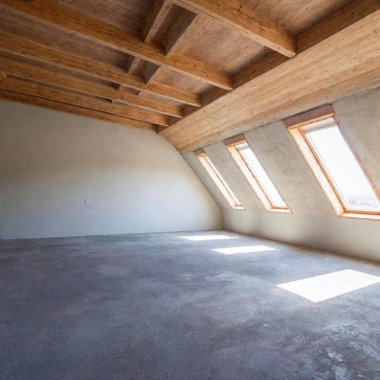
[[156, 306]]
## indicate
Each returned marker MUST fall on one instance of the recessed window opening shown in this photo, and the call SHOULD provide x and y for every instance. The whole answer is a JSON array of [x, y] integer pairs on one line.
[[337, 168], [256, 176], [219, 181]]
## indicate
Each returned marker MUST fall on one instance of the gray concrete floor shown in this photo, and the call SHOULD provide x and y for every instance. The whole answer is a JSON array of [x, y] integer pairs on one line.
[[156, 306]]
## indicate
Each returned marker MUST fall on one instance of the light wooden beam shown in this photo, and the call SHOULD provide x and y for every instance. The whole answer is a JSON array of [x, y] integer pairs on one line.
[[65, 18], [155, 19], [345, 59], [62, 107], [24, 47], [51, 93], [26, 70], [257, 27], [174, 39]]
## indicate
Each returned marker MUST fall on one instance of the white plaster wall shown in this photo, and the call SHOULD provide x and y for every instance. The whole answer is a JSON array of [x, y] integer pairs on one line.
[[313, 222], [65, 175]]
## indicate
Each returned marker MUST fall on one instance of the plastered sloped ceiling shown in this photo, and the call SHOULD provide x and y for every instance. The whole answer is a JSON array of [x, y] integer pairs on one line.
[[313, 222]]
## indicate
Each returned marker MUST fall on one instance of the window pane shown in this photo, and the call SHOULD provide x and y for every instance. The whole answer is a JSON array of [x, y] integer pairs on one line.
[[343, 169], [219, 182], [261, 176]]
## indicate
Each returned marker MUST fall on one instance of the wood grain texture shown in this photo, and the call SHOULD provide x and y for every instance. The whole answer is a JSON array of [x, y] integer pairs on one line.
[[68, 97], [43, 53], [256, 26], [52, 13], [323, 71], [40, 102], [27, 70]]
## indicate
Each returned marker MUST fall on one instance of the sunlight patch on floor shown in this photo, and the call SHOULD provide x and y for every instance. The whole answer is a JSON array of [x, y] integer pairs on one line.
[[208, 237], [326, 286], [246, 249]]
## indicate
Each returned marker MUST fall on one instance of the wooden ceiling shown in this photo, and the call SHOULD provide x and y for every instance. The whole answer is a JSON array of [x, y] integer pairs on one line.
[[194, 70]]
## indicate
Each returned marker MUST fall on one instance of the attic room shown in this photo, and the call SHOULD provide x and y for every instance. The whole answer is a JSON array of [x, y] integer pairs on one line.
[[189, 189]]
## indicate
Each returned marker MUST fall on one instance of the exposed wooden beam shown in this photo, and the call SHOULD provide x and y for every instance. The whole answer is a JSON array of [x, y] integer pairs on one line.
[[154, 21], [62, 107], [174, 38], [258, 27], [156, 18], [50, 76], [23, 47], [42, 91], [52, 13], [334, 66]]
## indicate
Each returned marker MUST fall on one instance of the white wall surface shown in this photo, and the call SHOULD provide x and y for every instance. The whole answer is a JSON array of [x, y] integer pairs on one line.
[[313, 222], [65, 175]]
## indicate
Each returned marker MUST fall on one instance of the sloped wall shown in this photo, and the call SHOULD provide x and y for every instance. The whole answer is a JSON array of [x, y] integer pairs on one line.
[[64, 175], [313, 222]]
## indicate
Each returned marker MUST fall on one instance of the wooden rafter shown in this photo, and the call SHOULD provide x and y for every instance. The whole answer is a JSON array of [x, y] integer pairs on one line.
[[176, 33], [52, 13], [336, 58], [50, 76], [62, 107], [68, 97], [24, 47], [258, 27], [156, 17]]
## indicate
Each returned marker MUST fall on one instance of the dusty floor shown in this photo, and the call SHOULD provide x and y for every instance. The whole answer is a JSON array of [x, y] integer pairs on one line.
[[157, 306]]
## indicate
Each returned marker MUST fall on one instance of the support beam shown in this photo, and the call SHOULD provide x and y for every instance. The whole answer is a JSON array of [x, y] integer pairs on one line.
[[23, 47], [62, 107], [173, 40], [257, 27], [26, 70], [155, 19], [35, 89], [65, 18], [336, 65]]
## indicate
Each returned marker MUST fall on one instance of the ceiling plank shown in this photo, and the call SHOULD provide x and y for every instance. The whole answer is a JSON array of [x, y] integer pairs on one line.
[[23, 47], [52, 13], [258, 27], [353, 50], [45, 75], [62, 107], [42, 91]]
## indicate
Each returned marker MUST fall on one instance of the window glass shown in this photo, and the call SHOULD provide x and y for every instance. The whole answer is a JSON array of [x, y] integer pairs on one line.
[[343, 169], [219, 181], [261, 176]]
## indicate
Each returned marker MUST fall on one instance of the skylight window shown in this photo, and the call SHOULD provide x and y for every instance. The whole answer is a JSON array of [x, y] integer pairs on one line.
[[256, 176], [219, 181], [337, 168]]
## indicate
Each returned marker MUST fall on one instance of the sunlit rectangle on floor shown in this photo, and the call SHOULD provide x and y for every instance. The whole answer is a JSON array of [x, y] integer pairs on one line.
[[326, 286], [246, 249], [208, 237]]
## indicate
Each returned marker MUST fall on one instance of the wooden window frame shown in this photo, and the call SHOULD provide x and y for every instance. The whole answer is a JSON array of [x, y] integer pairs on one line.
[[251, 178], [218, 180], [296, 127]]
